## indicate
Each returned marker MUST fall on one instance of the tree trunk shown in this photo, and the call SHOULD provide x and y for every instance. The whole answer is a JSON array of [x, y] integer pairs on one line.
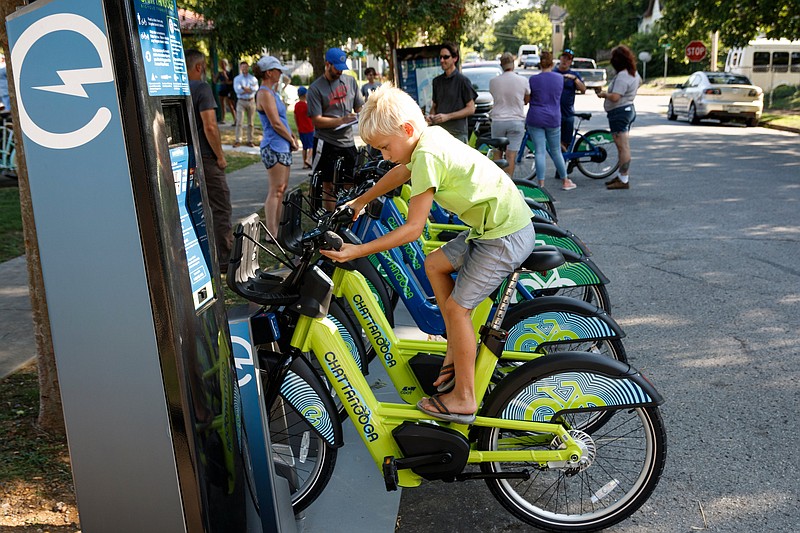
[[51, 418], [316, 56]]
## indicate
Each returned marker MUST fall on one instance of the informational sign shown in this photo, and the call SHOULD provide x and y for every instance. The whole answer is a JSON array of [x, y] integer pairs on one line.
[[415, 69], [162, 48], [195, 238], [695, 51]]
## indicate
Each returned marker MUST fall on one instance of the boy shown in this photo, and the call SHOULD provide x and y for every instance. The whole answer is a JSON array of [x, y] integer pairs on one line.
[[470, 185], [369, 87], [305, 128]]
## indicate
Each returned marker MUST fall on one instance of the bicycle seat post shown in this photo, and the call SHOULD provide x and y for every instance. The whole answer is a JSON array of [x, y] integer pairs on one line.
[[505, 300]]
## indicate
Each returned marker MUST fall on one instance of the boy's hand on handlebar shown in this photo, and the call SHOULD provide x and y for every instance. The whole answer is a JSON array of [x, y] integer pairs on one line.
[[346, 253]]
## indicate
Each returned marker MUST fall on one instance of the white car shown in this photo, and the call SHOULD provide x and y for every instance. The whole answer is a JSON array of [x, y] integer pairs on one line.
[[717, 95]]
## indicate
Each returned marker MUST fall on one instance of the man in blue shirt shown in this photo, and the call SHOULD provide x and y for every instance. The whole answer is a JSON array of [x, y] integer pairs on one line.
[[572, 83], [246, 86]]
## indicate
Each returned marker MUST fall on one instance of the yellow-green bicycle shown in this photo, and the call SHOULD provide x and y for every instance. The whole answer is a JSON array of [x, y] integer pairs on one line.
[[566, 442]]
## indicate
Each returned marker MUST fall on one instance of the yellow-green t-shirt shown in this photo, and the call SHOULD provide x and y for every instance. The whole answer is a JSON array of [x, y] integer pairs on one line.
[[467, 183]]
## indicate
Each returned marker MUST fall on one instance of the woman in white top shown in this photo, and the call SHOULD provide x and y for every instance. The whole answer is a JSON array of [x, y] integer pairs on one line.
[[619, 107], [510, 92]]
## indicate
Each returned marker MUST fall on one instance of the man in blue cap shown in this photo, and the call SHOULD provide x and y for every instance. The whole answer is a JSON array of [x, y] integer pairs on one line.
[[333, 101]]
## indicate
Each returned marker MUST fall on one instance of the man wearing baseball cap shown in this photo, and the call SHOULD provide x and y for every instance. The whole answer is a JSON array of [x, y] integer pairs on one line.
[[572, 83], [333, 101]]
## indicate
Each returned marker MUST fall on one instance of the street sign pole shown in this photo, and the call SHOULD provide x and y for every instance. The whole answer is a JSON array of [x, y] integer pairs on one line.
[[666, 59]]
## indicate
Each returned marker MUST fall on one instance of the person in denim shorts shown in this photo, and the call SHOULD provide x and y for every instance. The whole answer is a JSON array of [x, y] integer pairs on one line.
[[278, 142], [619, 108]]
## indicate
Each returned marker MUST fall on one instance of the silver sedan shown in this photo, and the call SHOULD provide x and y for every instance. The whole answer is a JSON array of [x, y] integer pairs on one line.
[[717, 95]]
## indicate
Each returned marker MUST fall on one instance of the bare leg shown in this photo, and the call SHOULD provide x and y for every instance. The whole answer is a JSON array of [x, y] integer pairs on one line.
[[438, 270], [462, 346], [621, 139], [328, 196], [273, 205], [511, 156]]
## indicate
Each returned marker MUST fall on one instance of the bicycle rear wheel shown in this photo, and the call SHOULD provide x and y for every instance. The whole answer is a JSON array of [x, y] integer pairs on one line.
[[627, 459], [602, 158]]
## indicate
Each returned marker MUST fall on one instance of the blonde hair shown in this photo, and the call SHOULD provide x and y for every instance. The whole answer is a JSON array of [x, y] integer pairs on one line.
[[385, 112]]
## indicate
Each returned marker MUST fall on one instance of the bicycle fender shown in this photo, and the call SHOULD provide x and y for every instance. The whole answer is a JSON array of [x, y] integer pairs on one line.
[[549, 386], [550, 319], [557, 234], [304, 390], [573, 257]]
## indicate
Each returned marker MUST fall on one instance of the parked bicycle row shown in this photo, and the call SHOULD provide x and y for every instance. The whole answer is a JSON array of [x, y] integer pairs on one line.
[[553, 396]]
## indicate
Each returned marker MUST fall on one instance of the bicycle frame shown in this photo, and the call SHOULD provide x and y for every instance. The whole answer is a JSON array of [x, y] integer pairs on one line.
[[376, 420]]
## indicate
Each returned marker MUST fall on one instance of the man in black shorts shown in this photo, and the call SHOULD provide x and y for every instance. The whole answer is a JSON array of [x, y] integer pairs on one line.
[[333, 101]]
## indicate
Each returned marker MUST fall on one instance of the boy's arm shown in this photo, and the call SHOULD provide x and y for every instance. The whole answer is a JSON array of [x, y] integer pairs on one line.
[[419, 207], [389, 182]]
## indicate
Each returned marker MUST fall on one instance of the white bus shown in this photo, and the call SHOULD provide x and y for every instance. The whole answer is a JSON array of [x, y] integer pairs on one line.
[[767, 62]]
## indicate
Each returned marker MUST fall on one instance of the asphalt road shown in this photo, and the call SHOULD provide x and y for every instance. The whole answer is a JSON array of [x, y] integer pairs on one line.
[[703, 253]]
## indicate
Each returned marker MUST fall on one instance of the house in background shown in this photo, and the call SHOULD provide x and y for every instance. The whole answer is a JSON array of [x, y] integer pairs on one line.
[[649, 18], [557, 17]]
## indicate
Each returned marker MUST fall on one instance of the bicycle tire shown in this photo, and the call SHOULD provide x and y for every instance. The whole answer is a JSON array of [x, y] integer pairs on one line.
[[597, 167], [299, 454], [618, 481]]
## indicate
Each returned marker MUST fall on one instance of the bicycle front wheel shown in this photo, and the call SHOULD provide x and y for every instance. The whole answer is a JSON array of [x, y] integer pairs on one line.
[[601, 159], [299, 454], [627, 459]]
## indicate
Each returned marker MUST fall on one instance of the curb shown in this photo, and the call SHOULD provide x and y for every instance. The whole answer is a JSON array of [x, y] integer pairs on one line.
[[779, 127]]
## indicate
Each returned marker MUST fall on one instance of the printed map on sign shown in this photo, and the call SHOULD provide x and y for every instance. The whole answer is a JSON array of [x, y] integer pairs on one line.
[[162, 48]]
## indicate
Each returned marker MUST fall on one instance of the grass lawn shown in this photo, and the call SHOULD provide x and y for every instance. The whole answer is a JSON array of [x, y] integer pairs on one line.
[[12, 243]]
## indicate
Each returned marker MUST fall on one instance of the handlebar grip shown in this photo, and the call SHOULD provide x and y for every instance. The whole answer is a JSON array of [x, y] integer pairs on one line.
[[343, 214], [332, 241]]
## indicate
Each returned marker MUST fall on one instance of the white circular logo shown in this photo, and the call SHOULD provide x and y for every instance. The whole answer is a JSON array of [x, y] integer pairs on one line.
[[73, 80]]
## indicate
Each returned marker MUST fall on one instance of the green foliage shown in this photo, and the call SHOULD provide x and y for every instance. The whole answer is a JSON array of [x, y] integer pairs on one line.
[[535, 28], [738, 22], [505, 38], [595, 25]]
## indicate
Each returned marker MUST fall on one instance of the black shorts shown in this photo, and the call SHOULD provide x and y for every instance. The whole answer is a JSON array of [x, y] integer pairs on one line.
[[621, 118], [324, 160]]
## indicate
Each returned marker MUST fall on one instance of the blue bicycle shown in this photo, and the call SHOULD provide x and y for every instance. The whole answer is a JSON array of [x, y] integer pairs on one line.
[[594, 152]]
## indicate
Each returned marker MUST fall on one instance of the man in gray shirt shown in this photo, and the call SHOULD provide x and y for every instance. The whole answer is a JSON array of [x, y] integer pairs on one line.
[[453, 96], [333, 101]]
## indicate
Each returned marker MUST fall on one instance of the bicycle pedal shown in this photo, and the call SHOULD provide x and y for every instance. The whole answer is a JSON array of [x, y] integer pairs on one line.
[[390, 473]]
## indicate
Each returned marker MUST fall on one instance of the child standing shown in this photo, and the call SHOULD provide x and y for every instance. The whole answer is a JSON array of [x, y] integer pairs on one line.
[[305, 128], [470, 185]]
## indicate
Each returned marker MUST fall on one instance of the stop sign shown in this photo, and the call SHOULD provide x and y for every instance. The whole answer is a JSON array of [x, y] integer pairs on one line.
[[695, 51]]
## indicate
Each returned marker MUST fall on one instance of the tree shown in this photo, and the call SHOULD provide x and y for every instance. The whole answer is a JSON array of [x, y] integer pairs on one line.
[[506, 40], [535, 28], [595, 25], [302, 27], [51, 418], [738, 22]]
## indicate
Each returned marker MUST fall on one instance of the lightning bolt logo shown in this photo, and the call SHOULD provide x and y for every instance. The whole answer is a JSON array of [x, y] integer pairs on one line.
[[73, 80]]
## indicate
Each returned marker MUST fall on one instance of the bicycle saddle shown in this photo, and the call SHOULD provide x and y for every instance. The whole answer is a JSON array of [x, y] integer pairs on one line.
[[543, 258], [496, 142], [584, 116]]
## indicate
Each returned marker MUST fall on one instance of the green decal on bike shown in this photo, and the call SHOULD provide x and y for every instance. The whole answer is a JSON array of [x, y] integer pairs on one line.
[[381, 341], [567, 275], [541, 400], [528, 334], [561, 242], [362, 414], [411, 254]]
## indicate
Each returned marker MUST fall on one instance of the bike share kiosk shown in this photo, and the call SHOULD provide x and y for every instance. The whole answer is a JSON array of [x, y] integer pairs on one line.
[[143, 351]]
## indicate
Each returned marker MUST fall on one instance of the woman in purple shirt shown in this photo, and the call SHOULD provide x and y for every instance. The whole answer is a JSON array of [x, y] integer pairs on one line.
[[544, 120]]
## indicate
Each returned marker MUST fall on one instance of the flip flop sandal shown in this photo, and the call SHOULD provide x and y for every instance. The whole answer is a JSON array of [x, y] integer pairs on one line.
[[447, 370], [443, 413]]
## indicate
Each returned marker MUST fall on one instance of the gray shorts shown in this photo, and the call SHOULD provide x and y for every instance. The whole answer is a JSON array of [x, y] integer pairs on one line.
[[483, 264], [513, 129]]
